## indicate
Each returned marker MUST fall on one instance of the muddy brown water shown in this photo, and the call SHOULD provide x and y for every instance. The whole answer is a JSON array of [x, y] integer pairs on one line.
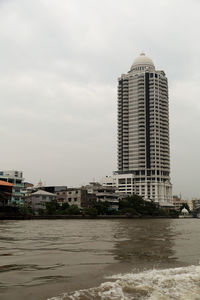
[[40, 259]]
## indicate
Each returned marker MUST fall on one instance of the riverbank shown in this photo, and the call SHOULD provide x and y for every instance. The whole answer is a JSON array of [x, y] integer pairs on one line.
[[80, 217]]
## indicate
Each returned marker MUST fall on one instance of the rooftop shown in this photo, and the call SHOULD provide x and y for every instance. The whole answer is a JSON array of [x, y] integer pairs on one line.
[[5, 183], [42, 193], [142, 62]]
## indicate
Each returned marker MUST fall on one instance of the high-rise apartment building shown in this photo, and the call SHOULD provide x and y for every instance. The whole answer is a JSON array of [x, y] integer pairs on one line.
[[143, 132]]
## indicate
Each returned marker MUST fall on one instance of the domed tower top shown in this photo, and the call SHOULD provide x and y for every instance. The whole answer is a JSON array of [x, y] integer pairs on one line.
[[142, 63]]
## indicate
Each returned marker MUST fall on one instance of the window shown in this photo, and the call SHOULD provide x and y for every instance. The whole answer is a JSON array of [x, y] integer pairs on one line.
[[121, 181], [128, 180], [75, 199], [69, 199]]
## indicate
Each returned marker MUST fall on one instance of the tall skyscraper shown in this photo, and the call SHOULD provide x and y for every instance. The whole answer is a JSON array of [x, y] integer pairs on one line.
[[143, 132]]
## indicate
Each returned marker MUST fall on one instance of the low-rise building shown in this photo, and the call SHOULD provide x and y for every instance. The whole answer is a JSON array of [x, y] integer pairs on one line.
[[27, 190], [196, 204], [38, 199], [16, 178], [109, 181], [79, 197], [104, 193], [134, 183], [178, 203], [76, 196], [5, 192], [59, 191], [61, 197]]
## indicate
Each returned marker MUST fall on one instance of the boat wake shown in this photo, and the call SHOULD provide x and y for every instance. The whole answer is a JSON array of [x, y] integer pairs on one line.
[[168, 284]]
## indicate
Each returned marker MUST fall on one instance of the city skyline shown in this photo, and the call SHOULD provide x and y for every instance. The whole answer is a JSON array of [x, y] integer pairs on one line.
[[58, 68]]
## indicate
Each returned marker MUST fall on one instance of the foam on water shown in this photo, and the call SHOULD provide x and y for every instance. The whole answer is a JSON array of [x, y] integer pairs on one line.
[[177, 284]]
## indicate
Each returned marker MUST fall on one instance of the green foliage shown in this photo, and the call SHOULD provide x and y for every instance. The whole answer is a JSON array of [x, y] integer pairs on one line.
[[134, 202], [64, 206], [51, 207], [112, 211], [92, 211], [41, 212], [73, 210], [24, 210], [174, 213], [162, 212], [135, 205], [129, 211], [102, 207]]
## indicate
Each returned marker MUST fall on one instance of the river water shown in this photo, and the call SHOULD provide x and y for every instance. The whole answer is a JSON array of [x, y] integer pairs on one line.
[[100, 259]]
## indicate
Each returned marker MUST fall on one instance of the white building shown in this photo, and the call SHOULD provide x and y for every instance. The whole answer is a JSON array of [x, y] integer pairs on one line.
[[109, 181], [38, 200], [143, 133]]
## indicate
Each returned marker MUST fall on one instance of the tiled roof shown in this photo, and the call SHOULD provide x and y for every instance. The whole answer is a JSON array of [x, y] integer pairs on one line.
[[5, 183]]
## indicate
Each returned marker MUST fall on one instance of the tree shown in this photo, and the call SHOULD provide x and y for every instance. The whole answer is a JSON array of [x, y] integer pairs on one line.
[[135, 202], [91, 211], [41, 212], [25, 210], [102, 207], [128, 211], [64, 206], [73, 210], [136, 205], [51, 207]]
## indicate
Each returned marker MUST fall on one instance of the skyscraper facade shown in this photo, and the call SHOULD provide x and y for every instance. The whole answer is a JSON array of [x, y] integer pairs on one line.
[[143, 132]]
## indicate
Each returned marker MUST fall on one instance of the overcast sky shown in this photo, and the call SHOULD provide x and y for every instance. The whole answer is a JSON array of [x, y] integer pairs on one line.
[[59, 64]]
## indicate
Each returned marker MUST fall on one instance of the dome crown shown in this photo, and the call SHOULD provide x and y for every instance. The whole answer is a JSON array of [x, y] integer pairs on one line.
[[142, 63]]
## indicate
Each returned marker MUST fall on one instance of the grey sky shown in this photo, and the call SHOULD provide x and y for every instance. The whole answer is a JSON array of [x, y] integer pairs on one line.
[[59, 64]]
